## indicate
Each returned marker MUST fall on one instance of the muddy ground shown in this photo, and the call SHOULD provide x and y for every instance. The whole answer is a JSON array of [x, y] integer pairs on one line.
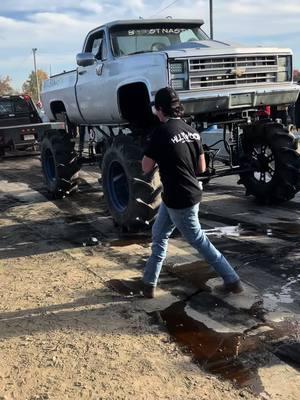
[[72, 323]]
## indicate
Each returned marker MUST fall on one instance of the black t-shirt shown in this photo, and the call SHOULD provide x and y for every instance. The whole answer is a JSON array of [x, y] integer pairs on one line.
[[176, 147]]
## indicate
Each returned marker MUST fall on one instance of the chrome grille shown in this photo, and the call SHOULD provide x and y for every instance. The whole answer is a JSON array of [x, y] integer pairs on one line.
[[231, 71]]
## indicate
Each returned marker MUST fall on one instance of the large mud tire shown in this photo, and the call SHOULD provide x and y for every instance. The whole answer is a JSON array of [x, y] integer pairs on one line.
[[59, 163], [132, 197], [275, 154]]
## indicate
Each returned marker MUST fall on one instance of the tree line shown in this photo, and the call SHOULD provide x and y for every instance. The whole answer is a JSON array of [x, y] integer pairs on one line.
[[29, 86]]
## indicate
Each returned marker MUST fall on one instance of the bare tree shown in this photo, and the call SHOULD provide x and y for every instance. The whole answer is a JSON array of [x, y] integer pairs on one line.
[[5, 86], [29, 87], [296, 75]]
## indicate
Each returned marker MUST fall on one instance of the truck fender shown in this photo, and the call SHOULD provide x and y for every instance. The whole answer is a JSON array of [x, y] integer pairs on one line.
[[133, 99]]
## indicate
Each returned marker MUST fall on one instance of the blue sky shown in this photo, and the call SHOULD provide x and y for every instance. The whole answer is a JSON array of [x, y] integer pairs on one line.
[[57, 27]]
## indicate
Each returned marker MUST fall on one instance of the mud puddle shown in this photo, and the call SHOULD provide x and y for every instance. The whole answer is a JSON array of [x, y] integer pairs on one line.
[[283, 294], [289, 353], [218, 353], [281, 230], [229, 355], [226, 341]]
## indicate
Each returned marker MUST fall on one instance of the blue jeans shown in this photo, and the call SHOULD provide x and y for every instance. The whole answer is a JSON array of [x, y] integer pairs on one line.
[[187, 222]]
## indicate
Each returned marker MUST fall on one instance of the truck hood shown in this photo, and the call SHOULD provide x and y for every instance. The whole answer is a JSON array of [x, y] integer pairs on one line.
[[215, 48]]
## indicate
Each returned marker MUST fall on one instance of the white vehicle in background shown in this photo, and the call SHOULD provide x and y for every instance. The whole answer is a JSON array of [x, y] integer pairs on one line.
[[121, 67]]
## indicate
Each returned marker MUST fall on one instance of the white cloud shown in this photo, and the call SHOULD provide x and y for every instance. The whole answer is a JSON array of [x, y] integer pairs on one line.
[[50, 6], [139, 4], [92, 6], [181, 9], [259, 7], [55, 19], [254, 19], [58, 27]]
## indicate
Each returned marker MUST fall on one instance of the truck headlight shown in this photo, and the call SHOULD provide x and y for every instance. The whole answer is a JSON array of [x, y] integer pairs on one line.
[[178, 74], [177, 68], [284, 68], [177, 84], [282, 76]]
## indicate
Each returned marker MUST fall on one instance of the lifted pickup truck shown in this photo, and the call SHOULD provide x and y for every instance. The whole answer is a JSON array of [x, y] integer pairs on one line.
[[121, 67], [21, 126]]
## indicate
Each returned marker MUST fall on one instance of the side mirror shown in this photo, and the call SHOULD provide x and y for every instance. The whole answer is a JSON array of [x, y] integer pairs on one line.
[[85, 59]]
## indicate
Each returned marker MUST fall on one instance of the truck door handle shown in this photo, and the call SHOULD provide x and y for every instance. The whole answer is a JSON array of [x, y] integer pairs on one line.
[[99, 69], [82, 72]]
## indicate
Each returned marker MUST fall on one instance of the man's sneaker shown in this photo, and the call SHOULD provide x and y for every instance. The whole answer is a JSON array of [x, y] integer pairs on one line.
[[226, 288], [148, 291]]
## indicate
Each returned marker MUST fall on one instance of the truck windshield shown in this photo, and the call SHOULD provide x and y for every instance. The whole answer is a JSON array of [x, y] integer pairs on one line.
[[14, 105], [157, 37]]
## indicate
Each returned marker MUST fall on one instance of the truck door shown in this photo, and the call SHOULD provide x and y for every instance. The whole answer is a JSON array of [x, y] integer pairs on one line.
[[91, 81]]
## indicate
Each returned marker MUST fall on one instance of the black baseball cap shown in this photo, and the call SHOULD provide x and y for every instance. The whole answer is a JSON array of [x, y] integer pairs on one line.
[[166, 98]]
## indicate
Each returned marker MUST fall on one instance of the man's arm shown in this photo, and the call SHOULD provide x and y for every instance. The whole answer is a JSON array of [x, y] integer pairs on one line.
[[148, 164], [201, 164]]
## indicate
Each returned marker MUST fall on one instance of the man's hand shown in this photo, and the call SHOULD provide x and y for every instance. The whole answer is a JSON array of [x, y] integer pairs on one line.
[[147, 164]]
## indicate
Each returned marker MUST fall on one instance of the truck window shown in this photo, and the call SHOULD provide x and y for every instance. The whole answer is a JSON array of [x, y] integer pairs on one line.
[[130, 45], [96, 44], [6, 107], [14, 105], [188, 36], [138, 39]]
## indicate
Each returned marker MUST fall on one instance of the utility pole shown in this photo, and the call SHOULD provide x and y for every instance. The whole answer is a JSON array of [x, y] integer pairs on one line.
[[211, 24], [36, 76]]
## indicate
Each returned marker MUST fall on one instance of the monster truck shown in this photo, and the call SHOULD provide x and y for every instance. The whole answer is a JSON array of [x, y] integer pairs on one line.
[[106, 102]]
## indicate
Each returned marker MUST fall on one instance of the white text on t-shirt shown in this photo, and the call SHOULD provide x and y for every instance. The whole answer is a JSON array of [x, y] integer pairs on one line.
[[183, 137]]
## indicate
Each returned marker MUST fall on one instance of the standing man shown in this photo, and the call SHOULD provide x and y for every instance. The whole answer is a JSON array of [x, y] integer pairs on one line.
[[177, 150]]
